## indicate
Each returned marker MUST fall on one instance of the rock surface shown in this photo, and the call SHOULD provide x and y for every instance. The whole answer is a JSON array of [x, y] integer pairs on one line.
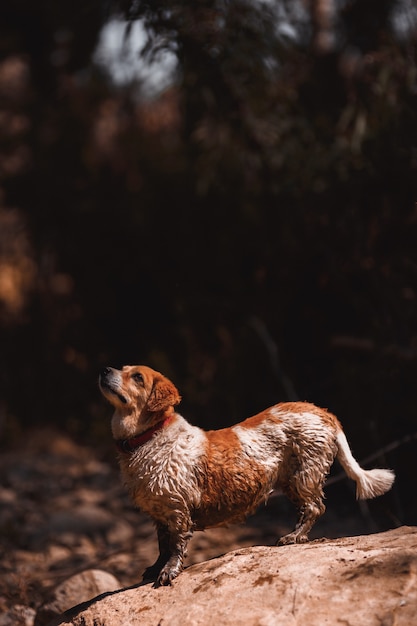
[[369, 580]]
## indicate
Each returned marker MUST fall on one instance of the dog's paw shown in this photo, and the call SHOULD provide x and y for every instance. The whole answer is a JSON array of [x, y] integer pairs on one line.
[[166, 576], [292, 538]]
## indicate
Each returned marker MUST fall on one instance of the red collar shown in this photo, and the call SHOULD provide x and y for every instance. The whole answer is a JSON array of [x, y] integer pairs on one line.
[[129, 445]]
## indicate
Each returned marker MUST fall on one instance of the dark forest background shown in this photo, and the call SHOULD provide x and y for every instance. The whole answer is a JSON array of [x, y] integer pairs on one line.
[[250, 230]]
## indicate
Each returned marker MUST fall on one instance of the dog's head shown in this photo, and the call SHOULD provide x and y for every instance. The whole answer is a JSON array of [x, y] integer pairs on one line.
[[140, 396]]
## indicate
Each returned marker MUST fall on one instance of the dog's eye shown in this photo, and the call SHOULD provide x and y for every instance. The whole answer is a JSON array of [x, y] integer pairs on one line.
[[137, 377]]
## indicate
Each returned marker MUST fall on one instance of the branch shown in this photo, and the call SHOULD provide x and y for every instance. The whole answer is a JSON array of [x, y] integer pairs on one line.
[[261, 330]]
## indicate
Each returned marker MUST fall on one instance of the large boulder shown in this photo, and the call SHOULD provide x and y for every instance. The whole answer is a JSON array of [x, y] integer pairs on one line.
[[368, 580]]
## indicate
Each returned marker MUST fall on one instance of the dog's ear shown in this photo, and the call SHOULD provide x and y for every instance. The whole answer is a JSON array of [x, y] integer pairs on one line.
[[164, 394]]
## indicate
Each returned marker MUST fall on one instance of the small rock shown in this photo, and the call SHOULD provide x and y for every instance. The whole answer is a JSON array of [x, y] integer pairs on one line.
[[7, 496], [18, 615], [56, 553], [74, 590]]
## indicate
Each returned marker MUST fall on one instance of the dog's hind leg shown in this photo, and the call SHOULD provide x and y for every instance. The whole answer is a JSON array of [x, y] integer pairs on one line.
[[309, 512], [303, 484]]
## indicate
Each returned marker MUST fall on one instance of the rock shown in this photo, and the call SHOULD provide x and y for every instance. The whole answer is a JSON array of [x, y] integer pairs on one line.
[[78, 588], [18, 615], [367, 580]]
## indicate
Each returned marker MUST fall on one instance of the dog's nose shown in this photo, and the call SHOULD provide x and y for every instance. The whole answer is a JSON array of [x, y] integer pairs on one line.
[[105, 371]]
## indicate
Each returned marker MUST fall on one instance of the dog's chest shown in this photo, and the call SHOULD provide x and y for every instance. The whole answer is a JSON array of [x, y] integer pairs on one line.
[[161, 476]]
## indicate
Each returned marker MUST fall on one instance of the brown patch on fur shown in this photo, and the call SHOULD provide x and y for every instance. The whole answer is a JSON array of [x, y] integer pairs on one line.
[[232, 485], [260, 418], [307, 407]]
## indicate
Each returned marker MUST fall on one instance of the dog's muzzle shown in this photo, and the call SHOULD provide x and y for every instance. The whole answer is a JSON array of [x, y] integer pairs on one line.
[[109, 384]]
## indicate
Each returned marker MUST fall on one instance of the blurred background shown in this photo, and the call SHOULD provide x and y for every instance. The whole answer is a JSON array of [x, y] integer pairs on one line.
[[225, 191]]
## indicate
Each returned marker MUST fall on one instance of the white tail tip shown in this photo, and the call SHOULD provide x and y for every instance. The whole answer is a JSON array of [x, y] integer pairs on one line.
[[369, 483], [373, 483]]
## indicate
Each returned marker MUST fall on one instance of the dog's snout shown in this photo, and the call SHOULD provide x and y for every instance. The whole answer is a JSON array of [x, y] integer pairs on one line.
[[105, 372], [111, 385]]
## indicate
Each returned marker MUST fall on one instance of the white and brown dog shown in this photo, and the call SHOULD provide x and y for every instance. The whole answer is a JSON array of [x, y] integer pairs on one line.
[[187, 479]]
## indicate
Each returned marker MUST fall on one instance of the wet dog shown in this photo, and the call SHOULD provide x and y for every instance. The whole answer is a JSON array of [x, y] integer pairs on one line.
[[188, 479]]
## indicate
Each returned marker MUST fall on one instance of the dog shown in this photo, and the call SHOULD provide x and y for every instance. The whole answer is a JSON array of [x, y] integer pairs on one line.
[[189, 479]]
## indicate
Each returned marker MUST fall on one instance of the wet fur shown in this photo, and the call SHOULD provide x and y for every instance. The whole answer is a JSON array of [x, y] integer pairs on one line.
[[188, 479]]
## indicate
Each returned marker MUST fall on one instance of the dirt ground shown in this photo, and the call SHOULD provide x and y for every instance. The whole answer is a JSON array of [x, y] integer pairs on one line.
[[64, 509]]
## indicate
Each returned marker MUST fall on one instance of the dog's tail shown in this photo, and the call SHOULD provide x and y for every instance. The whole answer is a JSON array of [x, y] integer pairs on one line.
[[369, 483]]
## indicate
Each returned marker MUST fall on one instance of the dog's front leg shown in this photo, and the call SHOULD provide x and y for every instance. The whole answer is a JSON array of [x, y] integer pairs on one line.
[[178, 541], [151, 573]]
